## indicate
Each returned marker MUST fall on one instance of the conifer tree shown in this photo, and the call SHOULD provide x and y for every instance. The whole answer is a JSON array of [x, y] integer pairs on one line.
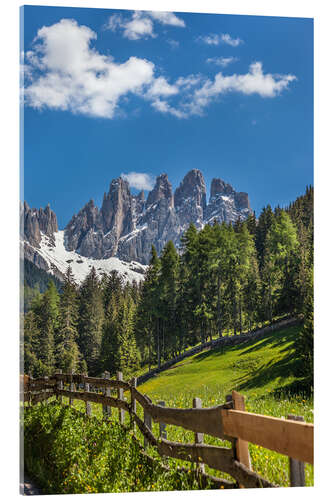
[[280, 248], [67, 351], [168, 280], [91, 318], [48, 317]]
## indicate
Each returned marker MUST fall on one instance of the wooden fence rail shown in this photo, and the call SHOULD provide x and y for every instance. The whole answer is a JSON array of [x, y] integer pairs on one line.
[[228, 421]]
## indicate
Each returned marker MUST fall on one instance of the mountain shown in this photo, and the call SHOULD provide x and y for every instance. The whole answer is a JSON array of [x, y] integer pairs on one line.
[[121, 233], [127, 226]]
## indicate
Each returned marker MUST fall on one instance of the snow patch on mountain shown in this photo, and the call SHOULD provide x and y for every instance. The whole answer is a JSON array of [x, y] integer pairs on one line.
[[55, 254]]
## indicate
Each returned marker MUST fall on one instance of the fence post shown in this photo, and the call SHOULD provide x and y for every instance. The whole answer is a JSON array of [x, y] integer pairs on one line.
[[108, 394], [296, 467], [72, 387], [121, 397], [60, 387], [86, 389], [147, 421], [163, 432], [198, 436], [104, 409], [133, 400], [241, 447]]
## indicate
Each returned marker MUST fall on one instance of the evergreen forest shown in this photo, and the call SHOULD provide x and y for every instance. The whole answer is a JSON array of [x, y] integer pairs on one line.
[[224, 279]]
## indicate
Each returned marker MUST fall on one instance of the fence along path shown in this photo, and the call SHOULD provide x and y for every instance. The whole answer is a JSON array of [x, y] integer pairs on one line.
[[228, 421]]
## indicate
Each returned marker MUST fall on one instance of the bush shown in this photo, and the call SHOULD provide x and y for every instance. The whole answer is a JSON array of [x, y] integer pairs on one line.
[[68, 453]]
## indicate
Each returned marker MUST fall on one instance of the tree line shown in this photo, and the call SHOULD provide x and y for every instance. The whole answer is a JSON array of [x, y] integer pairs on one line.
[[224, 279]]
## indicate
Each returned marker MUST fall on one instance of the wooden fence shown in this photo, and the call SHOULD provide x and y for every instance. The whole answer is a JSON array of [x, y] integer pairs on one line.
[[229, 421]]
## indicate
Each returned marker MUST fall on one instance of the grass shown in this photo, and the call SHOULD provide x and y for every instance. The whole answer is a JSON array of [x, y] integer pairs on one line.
[[68, 453], [264, 370]]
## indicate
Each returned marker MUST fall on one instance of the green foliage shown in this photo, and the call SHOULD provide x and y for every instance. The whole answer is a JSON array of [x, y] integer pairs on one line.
[[91, 318], [67, 350], [266, 371], [68, 453], [226, 278], [304, 342]]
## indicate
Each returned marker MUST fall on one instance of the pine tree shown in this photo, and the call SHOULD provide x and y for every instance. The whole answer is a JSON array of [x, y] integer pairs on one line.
[[168, 280], [147, 327], [91, 318], [305, 340], [280, 248], [67, 351], [47, 319]]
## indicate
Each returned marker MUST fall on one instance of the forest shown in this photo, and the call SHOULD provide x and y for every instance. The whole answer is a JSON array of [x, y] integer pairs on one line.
[[224, 279]]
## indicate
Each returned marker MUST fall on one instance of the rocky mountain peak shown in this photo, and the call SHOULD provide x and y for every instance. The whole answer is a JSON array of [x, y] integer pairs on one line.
[[162, 190], [242, 201], [127, 226], [192, 187], [141, 196], [218, 186], [34, 222]]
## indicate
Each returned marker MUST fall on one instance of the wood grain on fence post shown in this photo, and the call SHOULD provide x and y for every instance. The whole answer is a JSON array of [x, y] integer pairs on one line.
[[242, 447], [120, 396], [133, 400], [104, 407], [88, 405], [296, 467], [147, 420], [108, 394], [163, 432], [198, 436], [72, 388]]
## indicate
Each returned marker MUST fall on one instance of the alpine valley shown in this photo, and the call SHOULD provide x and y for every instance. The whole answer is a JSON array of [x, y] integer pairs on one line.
[[119, 236]]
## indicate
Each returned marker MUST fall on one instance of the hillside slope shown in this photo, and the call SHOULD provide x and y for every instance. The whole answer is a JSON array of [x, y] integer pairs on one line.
[[264, 370], [257, 369]]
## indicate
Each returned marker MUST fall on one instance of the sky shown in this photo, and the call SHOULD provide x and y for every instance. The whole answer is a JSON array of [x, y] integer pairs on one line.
[[133, 93]]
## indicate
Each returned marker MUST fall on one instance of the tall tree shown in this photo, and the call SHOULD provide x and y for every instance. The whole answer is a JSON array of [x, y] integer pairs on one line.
[[91, 318], [67, 350], [48, 319]]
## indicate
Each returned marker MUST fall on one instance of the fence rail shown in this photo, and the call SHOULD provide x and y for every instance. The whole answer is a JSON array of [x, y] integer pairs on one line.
[[228, 421]]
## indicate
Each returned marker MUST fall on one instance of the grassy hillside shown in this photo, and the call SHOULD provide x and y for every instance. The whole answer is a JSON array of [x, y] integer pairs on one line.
[[265, 371]]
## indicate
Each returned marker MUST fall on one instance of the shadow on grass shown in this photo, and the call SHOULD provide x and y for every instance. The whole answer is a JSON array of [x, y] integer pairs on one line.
[[303, 386], [272, 339]]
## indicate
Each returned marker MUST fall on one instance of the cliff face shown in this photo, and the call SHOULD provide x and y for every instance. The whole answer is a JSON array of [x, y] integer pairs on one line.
[[127, 225], [34, 222]]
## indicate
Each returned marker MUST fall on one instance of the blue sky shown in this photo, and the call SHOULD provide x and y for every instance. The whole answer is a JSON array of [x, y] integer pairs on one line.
[[111, 92]]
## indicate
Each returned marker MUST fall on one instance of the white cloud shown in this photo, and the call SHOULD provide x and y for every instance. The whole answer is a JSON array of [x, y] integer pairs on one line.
[[164, 107], [68, 74], [221, 61], [167, 18], [139, 180], [64, 72], [234, 42], [161, 87], [253, 82], [141, 24], [215, 39], [188, 81], [139, 27]]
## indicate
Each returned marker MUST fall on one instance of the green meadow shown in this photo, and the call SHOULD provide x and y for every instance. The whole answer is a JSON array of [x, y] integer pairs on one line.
[[265, 371]]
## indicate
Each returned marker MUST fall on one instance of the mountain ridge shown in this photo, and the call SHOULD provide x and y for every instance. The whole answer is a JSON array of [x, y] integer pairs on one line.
[[127, 225]]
